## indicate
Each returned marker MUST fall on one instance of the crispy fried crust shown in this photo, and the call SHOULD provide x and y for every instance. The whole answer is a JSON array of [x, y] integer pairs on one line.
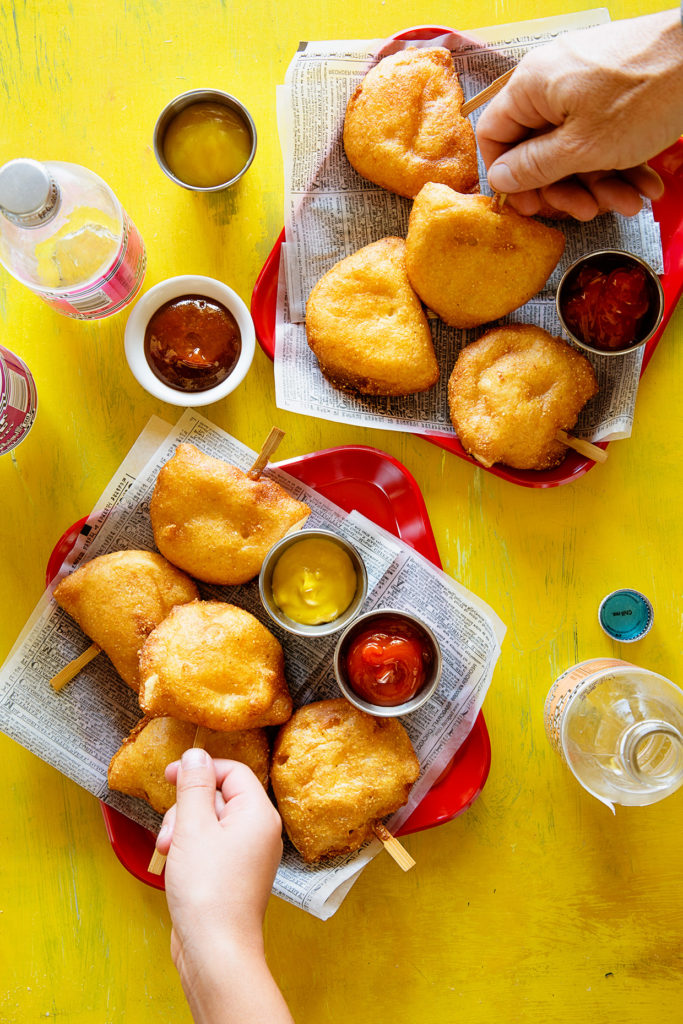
[[367, 327], [119, 598], [216, 665], [471, 264], [137, 767], [335, 772], [215, 522], [403, 125], [512, 389]]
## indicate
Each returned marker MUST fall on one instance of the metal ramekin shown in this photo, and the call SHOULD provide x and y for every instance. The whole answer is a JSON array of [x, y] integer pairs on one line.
[[188, 99], [424, 693], [265, 582], [606, 260]]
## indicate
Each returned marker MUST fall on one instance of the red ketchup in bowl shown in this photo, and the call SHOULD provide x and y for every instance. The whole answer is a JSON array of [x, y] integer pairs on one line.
[[387, 663], [605, 308]]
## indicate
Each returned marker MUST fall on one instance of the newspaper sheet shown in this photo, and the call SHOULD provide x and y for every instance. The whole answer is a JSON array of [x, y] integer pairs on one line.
[[79, 729], [330, 212]]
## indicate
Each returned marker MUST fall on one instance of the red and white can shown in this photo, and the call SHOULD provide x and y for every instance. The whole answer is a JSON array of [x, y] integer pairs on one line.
[[18, 400]]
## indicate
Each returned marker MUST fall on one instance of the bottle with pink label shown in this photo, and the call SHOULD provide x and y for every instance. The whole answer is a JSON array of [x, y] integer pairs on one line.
[[64, 234]]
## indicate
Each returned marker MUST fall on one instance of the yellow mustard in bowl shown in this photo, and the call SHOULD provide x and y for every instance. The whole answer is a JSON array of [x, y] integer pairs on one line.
[[314, 581]]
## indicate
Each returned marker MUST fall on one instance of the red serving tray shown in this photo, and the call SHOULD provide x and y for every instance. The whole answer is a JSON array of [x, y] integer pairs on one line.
[[668, 211], [380, 488]]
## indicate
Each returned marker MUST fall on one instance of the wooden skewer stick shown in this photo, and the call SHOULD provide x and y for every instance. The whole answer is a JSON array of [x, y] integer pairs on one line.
[[200, 736], [498, 202], [156, 864], [269, 446], [582, 447], [71, 670], [486, 94], [393, 847]]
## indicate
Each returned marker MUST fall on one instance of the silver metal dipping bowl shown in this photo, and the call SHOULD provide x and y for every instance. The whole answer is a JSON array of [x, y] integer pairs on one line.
[[607, 260], [265, 582], [431, 680], [188, 99]]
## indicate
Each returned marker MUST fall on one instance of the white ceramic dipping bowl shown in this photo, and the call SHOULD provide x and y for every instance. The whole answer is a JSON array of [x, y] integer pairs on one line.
[[174, 288]]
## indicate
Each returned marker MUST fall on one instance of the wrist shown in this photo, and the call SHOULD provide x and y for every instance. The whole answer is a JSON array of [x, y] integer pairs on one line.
[[663, 33], [672, 34], [216, 949], [208, 973], [232, 982]]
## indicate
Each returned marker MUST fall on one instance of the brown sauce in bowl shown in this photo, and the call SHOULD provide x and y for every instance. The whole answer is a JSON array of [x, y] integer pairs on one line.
[[192, 343]]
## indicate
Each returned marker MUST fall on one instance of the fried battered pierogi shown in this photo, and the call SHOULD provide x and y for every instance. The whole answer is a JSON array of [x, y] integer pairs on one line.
[[366, 326], [403, 125], [137, 767], [472, 264], [510, 392], [215, 522], [117, 599], [216, 665], [335, 772]]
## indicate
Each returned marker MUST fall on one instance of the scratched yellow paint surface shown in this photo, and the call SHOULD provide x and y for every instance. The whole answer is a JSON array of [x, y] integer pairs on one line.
[[535, 905]]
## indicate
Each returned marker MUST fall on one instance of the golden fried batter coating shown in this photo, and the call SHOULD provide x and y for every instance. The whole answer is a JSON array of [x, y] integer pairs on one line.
[[471, 264], [214, 664], [119, 598], [215, 522], [137, 767], [336, 771], [403, 125], [366, 326], [512, 389]]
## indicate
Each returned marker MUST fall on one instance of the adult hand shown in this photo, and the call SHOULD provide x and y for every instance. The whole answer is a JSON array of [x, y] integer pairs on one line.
[[580, 116], [223, 838]]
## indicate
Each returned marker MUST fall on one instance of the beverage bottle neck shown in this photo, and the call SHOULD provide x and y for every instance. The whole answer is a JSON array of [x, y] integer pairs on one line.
[[651, 752], [29, 195]]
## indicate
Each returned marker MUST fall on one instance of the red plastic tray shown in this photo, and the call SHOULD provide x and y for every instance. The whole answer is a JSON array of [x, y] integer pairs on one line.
[[668, 211], [380, 488]]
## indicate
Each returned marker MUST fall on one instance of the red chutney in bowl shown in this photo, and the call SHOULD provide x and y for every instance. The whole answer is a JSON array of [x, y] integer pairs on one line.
[[610, 301], [192, 343], [606, 309]]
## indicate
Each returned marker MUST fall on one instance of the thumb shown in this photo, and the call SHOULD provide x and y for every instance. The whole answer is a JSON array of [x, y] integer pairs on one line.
[[195, 790], [535, 163]]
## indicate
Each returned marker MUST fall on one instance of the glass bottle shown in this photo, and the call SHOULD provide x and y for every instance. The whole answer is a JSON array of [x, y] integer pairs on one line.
[[620, 730], [64, 234]]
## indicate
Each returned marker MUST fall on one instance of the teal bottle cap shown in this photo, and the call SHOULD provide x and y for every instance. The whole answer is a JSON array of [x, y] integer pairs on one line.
[[626, 615]]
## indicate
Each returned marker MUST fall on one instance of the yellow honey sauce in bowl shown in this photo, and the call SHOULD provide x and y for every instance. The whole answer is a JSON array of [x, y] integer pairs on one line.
[[207, 144], [314, 581], [205, 140]]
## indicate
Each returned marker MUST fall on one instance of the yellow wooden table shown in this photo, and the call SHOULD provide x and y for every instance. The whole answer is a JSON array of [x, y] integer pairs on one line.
[[536, 904]]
